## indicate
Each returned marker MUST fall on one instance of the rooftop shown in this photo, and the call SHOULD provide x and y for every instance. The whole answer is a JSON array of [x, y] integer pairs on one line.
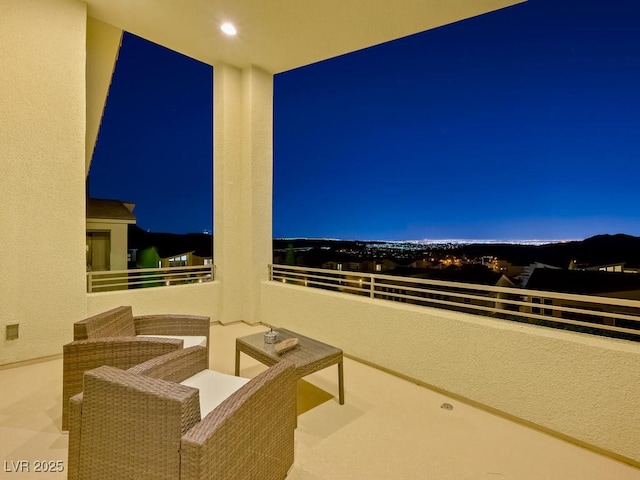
[[389, 428], [111, 209]]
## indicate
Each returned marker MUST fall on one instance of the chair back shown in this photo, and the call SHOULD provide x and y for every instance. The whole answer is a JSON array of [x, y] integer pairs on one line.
[[250, 435], [131, 426], [117, 322]]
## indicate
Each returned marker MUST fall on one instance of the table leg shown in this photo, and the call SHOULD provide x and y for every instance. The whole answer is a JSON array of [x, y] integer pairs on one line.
[[237, 362], [340, 382]]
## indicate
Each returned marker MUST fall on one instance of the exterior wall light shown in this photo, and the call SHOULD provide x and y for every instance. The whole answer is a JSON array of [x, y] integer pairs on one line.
[[228, 28]]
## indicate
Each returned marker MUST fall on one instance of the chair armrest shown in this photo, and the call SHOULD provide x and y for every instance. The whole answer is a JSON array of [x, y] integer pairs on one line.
[[132, 425], [175, 366], [75, 423], [170, 324], [249, 435], [121, 352]]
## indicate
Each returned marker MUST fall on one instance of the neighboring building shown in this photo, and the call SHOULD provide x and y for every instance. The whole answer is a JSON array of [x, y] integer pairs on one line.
[[170, 249], [378, 266], [585, 282], [333, 265], [107, 238], [424, 263], [187, 259], [582, 282], [368, 266], [612, 267], [523, 277], [506, 268]]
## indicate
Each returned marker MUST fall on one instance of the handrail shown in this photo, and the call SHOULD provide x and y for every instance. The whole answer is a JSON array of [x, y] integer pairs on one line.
[[590, 314], [108, 280]]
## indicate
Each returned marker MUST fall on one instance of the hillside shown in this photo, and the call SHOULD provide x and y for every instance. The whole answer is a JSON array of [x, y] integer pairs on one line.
[[597, 250]]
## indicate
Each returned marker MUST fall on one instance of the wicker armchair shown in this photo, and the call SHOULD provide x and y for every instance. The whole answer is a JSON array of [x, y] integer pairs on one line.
[[142, 424], [114, 338]]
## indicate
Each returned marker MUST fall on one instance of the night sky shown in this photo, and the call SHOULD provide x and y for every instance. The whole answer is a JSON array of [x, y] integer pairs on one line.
[[519, 124]]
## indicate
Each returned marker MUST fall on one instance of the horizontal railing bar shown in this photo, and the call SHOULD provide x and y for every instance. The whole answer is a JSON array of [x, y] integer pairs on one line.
[[160, 271], [146, 277], [157, 275], [520, 291], [562, 308], [521, 314], [192, 267], [105, 280], [332, 285], [471, 286], [378, 286]]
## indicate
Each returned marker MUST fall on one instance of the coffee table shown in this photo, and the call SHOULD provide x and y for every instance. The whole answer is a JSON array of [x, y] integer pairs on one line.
[[309, 356]]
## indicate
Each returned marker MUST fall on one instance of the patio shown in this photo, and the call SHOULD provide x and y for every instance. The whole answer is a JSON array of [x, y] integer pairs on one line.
[[388, 428]]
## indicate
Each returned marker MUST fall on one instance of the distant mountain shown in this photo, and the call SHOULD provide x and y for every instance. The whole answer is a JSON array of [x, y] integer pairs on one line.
[[597, 250], [170, 244]]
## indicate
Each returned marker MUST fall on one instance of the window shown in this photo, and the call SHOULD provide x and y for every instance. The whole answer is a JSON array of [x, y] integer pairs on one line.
[[179, 261]]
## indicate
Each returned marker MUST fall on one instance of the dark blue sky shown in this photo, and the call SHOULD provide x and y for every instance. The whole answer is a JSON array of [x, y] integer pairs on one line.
[[155, 142], [520, 124]]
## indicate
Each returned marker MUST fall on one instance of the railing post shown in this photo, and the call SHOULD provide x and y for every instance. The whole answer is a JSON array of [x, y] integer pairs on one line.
[[89, 282], [373, 290]]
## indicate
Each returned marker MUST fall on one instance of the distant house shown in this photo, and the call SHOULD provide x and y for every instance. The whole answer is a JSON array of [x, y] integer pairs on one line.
[[170, 249], [367, 266], [582, 282], [333, 265], [343, 265], [107, 233], [408, 292], [186, 259], [611, 267], [424, 263], [378, 266], [586, 282], [523, 277], [506, 268]]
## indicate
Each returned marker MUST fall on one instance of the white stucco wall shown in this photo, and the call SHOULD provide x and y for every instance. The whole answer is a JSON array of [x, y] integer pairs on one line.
[[195, 299], [580, 386], [243, 143], [42, 173]]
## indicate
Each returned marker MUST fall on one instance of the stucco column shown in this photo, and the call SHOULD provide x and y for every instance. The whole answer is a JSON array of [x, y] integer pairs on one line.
[[243, 166], [42, 174]]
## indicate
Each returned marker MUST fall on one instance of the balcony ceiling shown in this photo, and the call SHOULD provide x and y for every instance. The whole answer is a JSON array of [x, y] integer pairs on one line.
[[280, 35]]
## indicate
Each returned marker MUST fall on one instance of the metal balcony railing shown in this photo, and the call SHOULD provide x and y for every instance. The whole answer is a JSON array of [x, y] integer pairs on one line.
[[110, 280], [615, 317]]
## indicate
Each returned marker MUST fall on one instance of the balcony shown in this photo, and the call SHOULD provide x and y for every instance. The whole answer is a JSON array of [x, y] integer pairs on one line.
[[388, 428], [110, 280], [573, 385], [580, 387]]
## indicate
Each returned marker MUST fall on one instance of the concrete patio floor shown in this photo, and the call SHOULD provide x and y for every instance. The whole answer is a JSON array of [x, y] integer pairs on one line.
[[389, 428]]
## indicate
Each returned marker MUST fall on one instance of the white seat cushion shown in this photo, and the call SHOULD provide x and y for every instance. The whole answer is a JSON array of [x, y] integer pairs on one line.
[[214, 388], [188, 341]]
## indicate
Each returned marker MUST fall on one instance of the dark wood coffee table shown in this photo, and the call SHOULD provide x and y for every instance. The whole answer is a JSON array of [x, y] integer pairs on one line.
[[308, 357]]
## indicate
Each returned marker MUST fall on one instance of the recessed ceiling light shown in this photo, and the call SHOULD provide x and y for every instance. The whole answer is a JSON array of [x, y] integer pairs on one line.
[[228, 28]]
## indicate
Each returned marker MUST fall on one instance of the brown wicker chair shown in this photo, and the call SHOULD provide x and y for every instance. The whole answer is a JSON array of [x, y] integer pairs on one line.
[[111, 338], [142, 424]]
